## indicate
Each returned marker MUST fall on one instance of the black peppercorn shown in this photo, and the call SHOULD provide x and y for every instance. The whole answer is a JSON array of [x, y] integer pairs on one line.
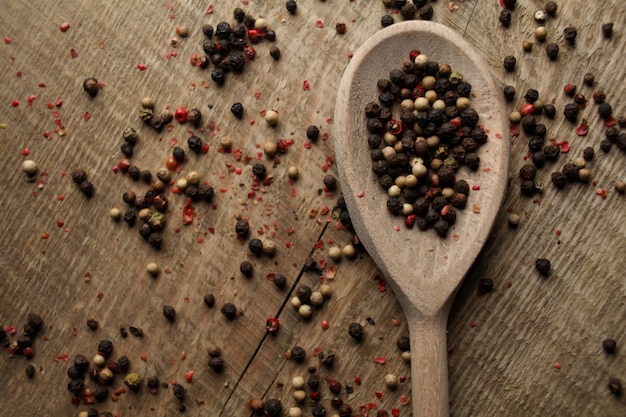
[[408, 11], [86, 187], [246, 268], [509, 4], [127, 150], [549, 110], [216, 363], [74, 373], [313, 381], [528, 123], [615, 386], [229, 311], [330, 182], [606, 145], [81, 363], [272, 408], [509, 63], [344, 409], [153, 383], [223, 30], [485, 285], [134, 173], [404, 343], [569, 33], [280, 281], [588, 153], [195, 144], [609, 345], [92, 324], [76, 386], [543, 266], [105, 347], [386, 20], [91, 86], [588, 79], [130, 216], [146, 176], [313, 133], [169, 313], [298, 354], [505, 18], [237, 110], [304, 294], [570, 171], [355, 330], [178, 153], [552, 50], [155, 239], [531, 95], [242, 228], [607, 30], [539, 159], [208, 31], [551, 152], [123, 363], [571, 112], [259, 171], [218, 76], [291, 6], [426, 12], [30, 371], [605, 110], [551, 8], [34, 323], [145, 230], [318, 410], [528, 172], [255, 246], [209, 300], [179, 391], [275, 52]]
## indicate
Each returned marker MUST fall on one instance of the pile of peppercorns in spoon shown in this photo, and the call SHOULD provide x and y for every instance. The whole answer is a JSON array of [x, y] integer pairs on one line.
[[416, 156]]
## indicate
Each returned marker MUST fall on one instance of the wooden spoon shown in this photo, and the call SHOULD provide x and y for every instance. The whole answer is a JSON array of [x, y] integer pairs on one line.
[[423, 269]]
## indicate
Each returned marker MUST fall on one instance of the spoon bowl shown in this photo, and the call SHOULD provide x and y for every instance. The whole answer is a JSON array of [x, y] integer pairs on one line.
[[423, 269]]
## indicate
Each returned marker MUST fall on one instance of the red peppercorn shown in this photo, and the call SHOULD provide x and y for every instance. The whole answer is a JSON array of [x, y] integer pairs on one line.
[[180, 115], [171, 163]]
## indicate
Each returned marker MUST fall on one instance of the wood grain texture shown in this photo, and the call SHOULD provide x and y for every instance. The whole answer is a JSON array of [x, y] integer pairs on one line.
[[502, 346]]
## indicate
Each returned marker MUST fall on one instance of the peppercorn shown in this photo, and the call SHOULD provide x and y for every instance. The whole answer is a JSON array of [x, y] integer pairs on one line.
[[528, 123], [386, 20], [605, 110], [298, 354], [569, 33], [609, 345], [404, 343], [543, 266], [123, 363], [485, 285], [509, 63], [607, 30], [588, 153], [355, 330], [539, 159], [216, 363], [571, 112], [551, 152], [91, 86], [209, 300], [169, 313], [330, 182], [531, 95], [312, 133], [580, 100], [318, 410], [275, 52], [304, 293], [620, 187], [255, 246], [92, 324], [153, 383], [588, 79], [76, 386], [550, 8], [527, 46], [509, 92], [229, 311], [549, 110], [155, 239], [130, 216], [540, 33], [570, 171], [505, 18], [344, 409], [615, 386], [127, 150], [552, 50], [272, 408], [291, 6], [179, 391]]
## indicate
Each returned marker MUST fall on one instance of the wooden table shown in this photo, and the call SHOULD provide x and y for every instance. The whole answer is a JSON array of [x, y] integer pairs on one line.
[[531, 347]]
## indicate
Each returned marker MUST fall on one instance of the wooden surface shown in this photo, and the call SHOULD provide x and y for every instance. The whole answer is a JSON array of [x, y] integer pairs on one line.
[[424, 270], [503, 346]]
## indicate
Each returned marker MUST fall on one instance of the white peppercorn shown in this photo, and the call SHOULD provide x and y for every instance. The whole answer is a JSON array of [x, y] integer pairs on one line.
[[153, 269], [29, 167], [348, 251], [294, 412], [115, 213], [326, 290], [295, 302], [541, 33], [620, 186], [297, 382], [193, 178], [147, 102], [316, 298], [293, 173], [334, 253], [305, 311], [270, 149], [144, 214], [226, 142], [299, 395], [269, 247], [391, 381], [271, 117], [181, 183], [406, 356], [421, 61], [99, 360]]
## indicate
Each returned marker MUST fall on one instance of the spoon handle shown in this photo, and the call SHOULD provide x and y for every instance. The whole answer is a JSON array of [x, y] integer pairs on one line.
[[429, 365]]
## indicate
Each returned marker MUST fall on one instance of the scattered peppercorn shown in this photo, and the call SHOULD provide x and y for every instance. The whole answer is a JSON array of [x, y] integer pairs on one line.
[[179, 391], [588, 79], [92, 324], [91, 86], [570, 33], [485, 285], [255, 246], [355, 330], [505, 18], [404, 343], [605, 110], [543, 266], [550, 8], [509, 63], [609, 345], [291, 6], [216, 363], [552, 50], [386, 20], [571, 112], [169, 313], [30, 370], [304, 294], [607, 30], [330, 182], [229, 311], [105, 347], [280, 281], [273, 408], [275, 52], [615, 386], [509, 92], [298, 354]]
